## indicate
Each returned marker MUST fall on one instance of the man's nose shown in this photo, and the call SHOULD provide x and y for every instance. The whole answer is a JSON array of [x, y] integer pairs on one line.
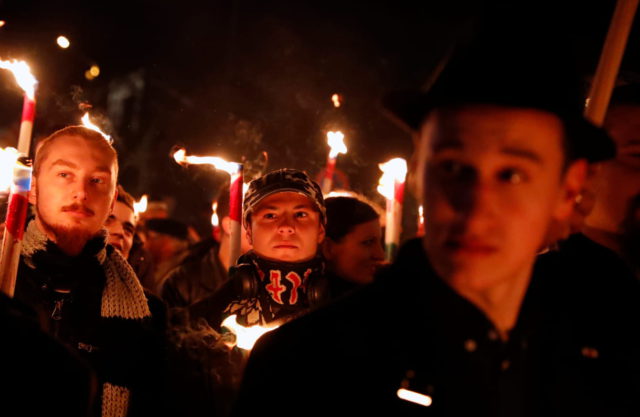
[[378, 252], [80, 191], [285, 226], [474, 199]]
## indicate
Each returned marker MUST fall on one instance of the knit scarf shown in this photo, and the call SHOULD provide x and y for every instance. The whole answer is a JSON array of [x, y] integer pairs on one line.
[[122, 297]]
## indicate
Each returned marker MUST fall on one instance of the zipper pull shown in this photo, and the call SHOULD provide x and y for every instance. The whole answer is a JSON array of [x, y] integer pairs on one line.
[[57, 309]]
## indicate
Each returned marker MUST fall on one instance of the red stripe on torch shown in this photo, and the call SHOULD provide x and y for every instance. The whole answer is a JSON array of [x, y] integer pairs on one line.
[[235, 196], [330, 169], [16, 215], [28, 109], [398, 191]]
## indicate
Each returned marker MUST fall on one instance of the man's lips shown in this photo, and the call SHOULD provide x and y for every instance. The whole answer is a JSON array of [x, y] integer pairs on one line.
[[470, 246], [78, 211], [285, 245]]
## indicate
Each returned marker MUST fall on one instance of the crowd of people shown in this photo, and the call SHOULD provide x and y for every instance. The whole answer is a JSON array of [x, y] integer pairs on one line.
[[520, 299]]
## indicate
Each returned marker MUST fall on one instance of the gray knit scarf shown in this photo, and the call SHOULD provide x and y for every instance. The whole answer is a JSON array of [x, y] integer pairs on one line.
[[122, 297]]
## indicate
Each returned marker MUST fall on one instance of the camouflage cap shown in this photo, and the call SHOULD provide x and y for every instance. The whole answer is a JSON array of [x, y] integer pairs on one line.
[[279, 181]]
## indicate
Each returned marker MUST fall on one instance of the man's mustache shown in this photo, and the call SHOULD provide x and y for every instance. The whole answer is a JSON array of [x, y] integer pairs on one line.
[[78, 207]]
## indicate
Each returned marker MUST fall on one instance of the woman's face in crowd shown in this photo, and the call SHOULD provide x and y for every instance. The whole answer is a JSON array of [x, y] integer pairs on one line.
[[357, 256]]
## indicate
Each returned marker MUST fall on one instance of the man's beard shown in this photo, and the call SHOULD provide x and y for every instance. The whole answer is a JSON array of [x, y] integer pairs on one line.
[[71, 240]]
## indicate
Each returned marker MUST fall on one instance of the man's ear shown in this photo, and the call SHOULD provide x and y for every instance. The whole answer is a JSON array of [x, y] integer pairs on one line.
[[321, 234], [113, 201], [225, 225], [327, 249], [572, 185], [32, 191], [249, 237]]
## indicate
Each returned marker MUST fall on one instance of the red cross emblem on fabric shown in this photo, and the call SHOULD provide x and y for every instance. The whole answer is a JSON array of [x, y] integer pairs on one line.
[[275, 288]]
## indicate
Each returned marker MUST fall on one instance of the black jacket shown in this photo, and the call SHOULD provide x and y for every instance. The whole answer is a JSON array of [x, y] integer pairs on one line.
[[123, 352], [410, 330], [199, 275]]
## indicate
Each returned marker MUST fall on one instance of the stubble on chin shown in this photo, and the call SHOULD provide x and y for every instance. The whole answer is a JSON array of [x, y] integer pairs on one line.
[[70, 239]]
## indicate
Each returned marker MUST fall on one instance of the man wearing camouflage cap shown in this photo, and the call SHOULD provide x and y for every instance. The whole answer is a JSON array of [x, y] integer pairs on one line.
[[284, 215]]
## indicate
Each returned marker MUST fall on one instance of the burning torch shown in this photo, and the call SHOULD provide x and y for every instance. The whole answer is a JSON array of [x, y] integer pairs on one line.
[[86, 122], [235, 170], [245, 337], [140, 206], [21, 182], [391, 186], [27, 82], [336, 146], [215, 221]]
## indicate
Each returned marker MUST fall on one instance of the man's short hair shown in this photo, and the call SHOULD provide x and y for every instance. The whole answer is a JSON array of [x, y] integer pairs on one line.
[[125, 198], [87, 134]]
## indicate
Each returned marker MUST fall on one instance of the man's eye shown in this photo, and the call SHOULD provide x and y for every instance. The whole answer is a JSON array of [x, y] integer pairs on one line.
[[97, 180], [302, 214], [511, 176], [454, 169], [269, 216], [63, 174]]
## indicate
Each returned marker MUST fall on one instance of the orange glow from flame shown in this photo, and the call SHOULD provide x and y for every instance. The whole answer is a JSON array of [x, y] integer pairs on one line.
[[8, 158], [22, 73], [140, 206], [215, 222], [336, 144], [181, 157], [394, 170], [336, 100], [89, 125], [246, 337], [414, 397]]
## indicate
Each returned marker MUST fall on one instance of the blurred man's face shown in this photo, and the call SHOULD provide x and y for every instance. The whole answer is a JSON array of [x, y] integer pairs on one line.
[[286, 227], [493, 182], [74, 192], [121, 225], [618, 180]]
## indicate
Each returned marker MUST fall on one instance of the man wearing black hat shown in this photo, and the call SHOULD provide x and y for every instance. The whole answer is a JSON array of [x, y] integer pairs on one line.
[[459, 324]]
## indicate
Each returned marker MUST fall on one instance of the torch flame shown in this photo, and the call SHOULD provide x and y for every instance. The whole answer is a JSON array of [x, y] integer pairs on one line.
[[181, 157], [140, 206], [336, 143], [414, 397], [393, 171], [22, 73], [89, 125], [246, 337], [336, 100], [8, 158], [215, 222]]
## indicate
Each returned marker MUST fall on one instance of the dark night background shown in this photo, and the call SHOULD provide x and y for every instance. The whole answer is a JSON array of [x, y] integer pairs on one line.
[[235, 78]]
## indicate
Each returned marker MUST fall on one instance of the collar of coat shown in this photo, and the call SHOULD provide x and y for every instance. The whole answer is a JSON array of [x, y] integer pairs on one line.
[[122, 296]]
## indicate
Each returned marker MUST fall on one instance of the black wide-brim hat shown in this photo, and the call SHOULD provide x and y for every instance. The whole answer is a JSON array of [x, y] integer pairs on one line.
[[503, 69]]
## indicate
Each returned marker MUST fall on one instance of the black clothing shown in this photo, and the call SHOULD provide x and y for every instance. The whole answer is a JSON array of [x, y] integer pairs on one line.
[[67, 294], [339, 287], [39, 375], [199, 275], [410, 330], [206, 371]]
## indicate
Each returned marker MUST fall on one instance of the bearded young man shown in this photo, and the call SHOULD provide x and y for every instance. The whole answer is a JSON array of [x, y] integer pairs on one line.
[[84, 292]]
